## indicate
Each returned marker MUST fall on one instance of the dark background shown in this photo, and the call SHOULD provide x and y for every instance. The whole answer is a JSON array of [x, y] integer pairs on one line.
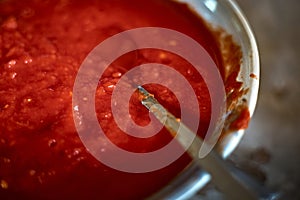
[[270, 149]]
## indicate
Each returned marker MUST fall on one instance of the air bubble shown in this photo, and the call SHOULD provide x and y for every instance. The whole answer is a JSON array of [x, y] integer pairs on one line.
[[3, 184], [189, 72], [27, 100], [11, 63], [76, 152], [52, 143], [164, 58], [5, 106], [28, 60], [6, 160], [108, 115], [109, 87], [117, 74], [32, 172], [13, 75]]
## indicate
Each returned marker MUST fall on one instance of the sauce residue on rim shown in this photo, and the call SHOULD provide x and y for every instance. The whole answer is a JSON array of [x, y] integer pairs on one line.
[[42, 44]]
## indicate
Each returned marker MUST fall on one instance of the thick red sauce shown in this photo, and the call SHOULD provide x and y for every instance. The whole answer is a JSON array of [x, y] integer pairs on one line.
[[42, 44]]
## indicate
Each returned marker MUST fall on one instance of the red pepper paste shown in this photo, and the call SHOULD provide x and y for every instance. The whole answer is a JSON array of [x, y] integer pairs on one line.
[[42, 44]]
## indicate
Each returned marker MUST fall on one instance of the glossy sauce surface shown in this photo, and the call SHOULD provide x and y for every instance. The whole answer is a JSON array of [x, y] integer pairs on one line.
[[42, 44]]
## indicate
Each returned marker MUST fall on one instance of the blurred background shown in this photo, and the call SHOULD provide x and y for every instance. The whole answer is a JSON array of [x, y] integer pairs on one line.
[[270, 149]]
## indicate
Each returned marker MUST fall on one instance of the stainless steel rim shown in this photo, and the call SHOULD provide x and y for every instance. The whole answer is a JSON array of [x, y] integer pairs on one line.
[[192, 180]]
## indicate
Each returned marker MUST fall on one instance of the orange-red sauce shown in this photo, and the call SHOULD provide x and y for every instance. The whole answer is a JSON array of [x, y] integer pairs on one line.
[[42, 44]]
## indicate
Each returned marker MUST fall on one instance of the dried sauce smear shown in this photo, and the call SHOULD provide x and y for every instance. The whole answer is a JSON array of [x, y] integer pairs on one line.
[[42, 44]]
